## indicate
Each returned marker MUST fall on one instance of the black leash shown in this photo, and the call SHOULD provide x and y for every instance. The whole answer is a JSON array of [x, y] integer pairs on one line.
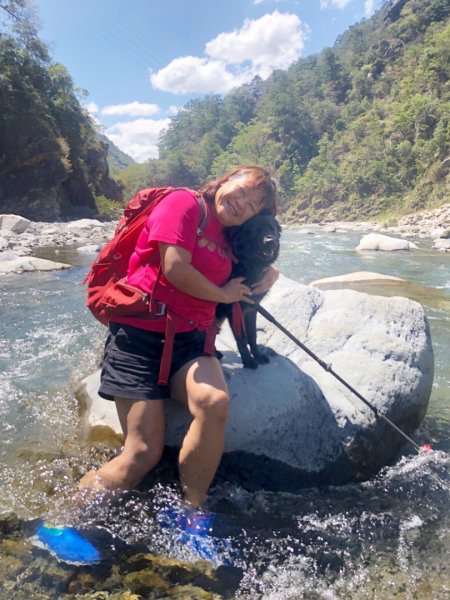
[[327, 367]]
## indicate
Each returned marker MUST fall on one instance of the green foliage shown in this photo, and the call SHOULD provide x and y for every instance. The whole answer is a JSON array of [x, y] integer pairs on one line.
[[107, 207], [135, 177], [387, 158], [251, 145]]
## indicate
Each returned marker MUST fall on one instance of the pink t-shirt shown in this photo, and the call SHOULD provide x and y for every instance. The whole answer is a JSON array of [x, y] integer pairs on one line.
[[175, 221]]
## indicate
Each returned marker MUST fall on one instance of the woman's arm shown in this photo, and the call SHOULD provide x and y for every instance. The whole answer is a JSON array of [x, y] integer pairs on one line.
[[177, 268]]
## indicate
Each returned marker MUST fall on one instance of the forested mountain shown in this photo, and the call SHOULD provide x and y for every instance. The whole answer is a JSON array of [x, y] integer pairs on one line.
[[51, 163], [360, 129]]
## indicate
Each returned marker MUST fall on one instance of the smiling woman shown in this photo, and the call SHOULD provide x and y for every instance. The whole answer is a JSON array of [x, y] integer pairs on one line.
[[240, 194], [185, 268]]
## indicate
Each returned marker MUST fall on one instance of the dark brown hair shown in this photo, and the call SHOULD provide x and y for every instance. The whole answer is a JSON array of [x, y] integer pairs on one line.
[[260, 178]]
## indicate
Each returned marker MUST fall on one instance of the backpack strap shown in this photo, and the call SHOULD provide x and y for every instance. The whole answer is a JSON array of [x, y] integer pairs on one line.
[[237, 319], [204, 215], [166, 357]]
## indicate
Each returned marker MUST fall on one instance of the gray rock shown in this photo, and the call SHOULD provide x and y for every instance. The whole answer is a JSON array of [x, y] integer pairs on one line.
[[11, 263], [90, 248], [291, 423], [378, 241], [357, 277], [14, 223], [85, 224], [442, 244]]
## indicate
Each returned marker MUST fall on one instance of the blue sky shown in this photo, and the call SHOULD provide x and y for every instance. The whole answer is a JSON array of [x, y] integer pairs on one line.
[[142, 60]]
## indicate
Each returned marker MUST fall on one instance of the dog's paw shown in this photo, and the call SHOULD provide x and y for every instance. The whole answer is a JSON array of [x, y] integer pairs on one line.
[[262, 359], [249, 363], [262, 355]]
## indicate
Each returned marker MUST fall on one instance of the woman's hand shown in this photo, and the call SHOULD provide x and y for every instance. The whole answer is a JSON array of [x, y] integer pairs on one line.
[[269, 277], [235, 291]]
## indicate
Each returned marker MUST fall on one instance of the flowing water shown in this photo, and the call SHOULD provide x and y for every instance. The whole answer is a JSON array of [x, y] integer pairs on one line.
[[381, 539]]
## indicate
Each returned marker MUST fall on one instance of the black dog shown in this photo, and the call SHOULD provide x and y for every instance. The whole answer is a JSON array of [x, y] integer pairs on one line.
[[255, 245]]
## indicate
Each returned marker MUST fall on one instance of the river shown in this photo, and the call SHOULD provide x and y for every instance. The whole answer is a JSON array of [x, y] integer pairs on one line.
[[384, 538]]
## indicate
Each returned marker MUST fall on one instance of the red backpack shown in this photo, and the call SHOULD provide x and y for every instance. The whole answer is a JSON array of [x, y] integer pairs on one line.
[[108, 293]]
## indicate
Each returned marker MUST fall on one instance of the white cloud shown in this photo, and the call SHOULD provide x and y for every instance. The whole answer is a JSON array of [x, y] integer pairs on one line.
[[91, 107], [191, 74], [258, 1], [272, 42], [138, 138], [133, 109], [368, 7], [338, 3]]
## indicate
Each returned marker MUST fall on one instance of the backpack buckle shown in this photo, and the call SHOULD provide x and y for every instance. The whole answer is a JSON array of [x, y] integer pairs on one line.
[[160, 309]]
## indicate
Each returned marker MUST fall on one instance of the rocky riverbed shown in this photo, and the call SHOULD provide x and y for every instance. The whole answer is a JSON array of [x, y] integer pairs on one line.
[[434, 224], [20, 237]]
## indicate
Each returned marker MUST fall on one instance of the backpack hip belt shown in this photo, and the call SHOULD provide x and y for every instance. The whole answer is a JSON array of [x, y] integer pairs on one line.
[[170, 332]]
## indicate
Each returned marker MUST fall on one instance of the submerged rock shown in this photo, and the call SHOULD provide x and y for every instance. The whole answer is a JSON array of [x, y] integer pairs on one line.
[[358, 277], [291, 423]]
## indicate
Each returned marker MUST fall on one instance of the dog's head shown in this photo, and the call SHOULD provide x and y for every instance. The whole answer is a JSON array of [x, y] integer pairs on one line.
[[258, 239]]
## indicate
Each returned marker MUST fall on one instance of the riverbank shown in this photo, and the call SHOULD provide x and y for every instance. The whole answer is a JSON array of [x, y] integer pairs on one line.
[[434, 224], [21, 237]]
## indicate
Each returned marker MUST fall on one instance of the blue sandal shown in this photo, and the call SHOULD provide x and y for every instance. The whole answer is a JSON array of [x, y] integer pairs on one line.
[[194, 528], [66, 544]]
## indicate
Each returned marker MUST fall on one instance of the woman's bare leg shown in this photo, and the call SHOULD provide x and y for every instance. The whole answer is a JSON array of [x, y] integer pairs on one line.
[[143, 425], [201, 386]]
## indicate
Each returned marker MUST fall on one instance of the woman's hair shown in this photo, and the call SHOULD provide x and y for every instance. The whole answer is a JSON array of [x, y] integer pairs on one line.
[[259, 178]]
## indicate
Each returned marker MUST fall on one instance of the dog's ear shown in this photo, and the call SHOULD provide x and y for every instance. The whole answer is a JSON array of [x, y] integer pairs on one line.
[[230, 233]]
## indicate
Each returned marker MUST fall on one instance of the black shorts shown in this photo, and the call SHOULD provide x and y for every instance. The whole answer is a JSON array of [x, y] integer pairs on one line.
[[132, 358]]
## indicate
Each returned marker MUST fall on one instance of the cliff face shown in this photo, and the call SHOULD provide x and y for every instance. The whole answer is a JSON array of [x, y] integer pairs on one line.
[[52, 166], [41, 181]]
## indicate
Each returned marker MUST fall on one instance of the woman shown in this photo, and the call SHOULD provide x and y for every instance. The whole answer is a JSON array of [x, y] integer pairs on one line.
[[190, 275]]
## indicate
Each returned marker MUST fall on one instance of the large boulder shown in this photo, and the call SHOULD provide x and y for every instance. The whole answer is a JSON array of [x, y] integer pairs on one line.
[[291, 422]]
